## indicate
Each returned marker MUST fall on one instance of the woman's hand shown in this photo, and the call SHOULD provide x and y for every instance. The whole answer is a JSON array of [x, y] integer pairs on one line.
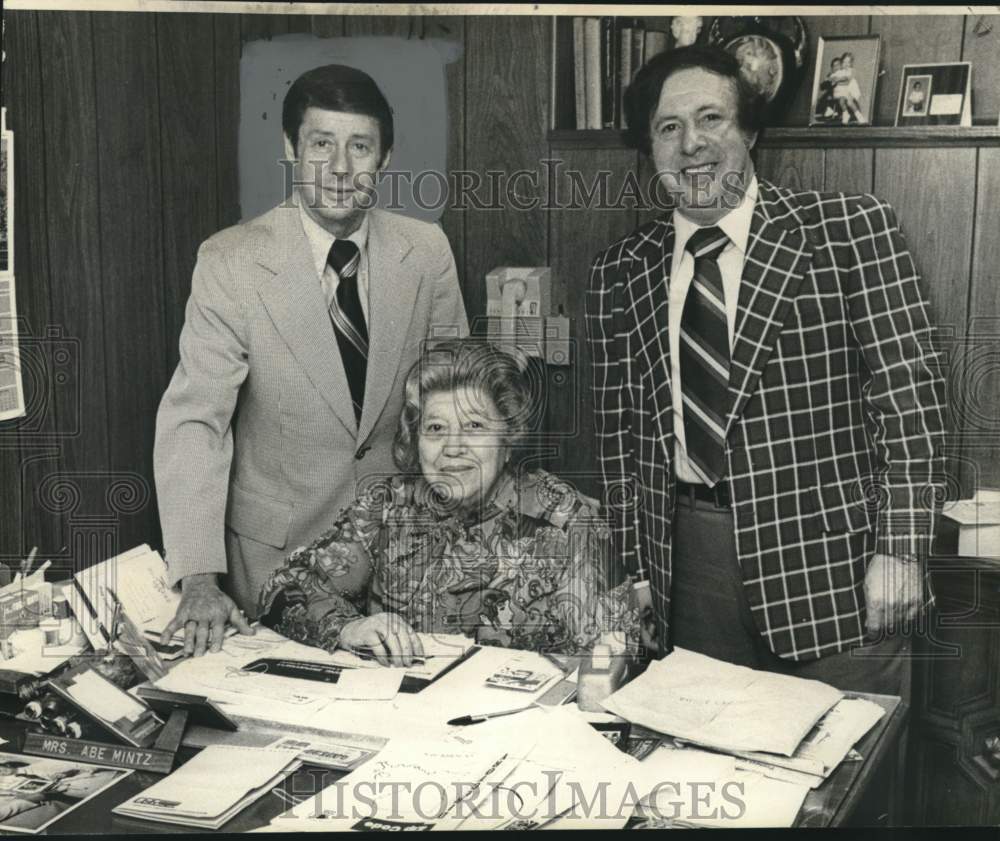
[[386, 635]]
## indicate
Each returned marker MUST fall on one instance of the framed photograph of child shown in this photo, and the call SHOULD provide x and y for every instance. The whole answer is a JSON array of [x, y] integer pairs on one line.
[[935, 95], [844, 80]]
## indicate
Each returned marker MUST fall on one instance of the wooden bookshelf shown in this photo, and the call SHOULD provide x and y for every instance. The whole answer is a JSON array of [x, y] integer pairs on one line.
[[563, 135], [815, 137]]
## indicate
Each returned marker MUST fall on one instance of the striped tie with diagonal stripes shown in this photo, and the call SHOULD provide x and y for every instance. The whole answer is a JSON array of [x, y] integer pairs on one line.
[[349, 319], [704, 357]]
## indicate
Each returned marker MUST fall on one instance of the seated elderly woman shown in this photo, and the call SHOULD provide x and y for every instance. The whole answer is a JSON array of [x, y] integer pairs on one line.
[[461, 541]]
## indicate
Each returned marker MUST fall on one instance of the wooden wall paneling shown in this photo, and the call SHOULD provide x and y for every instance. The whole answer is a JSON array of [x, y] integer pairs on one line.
[[506, 119], [578, 233], [911, 39], [188, 103], [327, 26], [797, 169], [452, 28], [19, 523], [131, 248], [981, 46], [69, 147], [848, 170], [228, 49], [981, 443], [826, 26], [298, 23], [936, 214], [405, 26], [258, 27]]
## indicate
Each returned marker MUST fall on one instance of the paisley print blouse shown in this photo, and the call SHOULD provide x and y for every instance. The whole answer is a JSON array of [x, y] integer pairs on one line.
[[526, 570]]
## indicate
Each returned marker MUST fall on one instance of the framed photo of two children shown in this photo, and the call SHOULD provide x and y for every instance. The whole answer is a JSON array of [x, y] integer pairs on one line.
[[844, 80]]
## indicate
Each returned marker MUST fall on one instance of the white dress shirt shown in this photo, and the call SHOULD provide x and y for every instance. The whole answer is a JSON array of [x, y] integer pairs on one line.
[[736, 226], [320, 240]]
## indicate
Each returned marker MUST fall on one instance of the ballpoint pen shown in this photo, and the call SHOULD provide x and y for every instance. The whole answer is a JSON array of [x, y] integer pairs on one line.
[[481, 717]]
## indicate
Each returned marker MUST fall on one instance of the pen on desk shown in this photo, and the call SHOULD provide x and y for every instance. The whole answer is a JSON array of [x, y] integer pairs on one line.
[[365, 653], [478, 718]]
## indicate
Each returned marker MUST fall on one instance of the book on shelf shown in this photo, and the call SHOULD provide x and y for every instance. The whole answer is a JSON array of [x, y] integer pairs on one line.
[[579, 75], [607, 53], [610, 80], [656, 42], [592, 71]]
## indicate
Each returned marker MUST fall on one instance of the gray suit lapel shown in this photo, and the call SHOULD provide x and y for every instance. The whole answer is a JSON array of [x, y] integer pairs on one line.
[[294, 300], [392, 294]]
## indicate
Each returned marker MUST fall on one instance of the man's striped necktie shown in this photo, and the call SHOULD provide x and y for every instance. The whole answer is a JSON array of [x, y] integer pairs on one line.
[[704, 357], [349, 319]]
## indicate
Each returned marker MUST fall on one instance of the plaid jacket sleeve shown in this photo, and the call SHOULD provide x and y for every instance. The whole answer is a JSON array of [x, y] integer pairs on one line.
[[608, 340], [904, 394]]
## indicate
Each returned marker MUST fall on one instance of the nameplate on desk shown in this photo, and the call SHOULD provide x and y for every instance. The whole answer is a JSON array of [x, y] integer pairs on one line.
[[99, 753]]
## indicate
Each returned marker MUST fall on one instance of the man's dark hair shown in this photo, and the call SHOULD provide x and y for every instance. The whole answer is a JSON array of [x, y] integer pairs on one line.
[[336, 87], [643, 94]]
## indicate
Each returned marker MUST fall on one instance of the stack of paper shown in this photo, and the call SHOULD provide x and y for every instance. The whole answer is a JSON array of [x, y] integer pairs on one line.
[[719, 705], [220, 677], [211, 788], [138, 579], [825, 747], [709, 789], [540, 768]]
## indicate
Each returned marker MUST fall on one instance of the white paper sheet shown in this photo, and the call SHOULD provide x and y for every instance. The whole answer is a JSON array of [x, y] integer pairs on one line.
[[825, 747], [723, 706], [464, 691], [706, 789], [219, 676]]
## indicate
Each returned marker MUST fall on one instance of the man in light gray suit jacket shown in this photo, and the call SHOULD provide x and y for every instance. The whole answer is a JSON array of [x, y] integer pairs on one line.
[[300, 328]]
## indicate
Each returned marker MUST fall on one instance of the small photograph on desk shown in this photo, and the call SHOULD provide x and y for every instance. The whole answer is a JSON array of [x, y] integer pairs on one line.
[[521, 676], [36, 791]]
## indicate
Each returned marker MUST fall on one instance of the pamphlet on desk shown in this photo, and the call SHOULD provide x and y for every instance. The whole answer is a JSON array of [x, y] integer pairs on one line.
[[211, 788]]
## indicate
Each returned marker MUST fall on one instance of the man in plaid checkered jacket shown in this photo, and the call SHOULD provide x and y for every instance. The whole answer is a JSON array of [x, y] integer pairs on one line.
[[769, 409]]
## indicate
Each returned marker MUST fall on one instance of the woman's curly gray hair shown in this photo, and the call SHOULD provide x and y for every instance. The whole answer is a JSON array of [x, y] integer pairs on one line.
[[456, 363]]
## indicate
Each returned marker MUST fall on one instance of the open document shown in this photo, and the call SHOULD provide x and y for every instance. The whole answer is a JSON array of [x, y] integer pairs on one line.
[[540, 768], [230, 677], [698, 788], [719, 705]]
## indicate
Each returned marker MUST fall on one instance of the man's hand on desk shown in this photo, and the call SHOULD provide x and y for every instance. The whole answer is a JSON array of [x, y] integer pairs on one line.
[[643, 600], [389, 638], [203, 613], [894, 589]]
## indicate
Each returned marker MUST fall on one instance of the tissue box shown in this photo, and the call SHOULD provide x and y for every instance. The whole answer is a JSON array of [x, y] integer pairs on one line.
[[978, 522]]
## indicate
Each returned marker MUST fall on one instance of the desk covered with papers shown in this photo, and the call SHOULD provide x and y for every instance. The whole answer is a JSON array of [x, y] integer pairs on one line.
[[363, 751]]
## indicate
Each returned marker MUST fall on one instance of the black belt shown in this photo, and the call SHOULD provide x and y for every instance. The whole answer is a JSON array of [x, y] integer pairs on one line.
[[717, 496]]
